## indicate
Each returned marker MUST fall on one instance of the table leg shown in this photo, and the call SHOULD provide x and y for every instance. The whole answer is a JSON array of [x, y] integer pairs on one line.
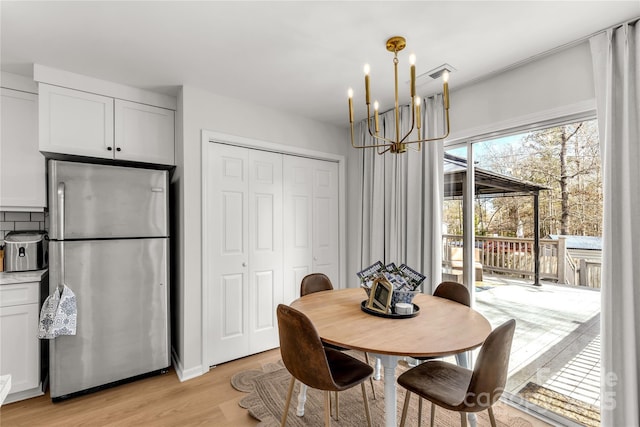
[[463, 360], [390, 395], [377, 368], [302, 398]]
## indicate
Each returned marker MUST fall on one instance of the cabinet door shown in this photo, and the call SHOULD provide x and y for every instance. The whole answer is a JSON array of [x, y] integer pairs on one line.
[[19, 346], [75, 122], [22, 167], [144, 133]]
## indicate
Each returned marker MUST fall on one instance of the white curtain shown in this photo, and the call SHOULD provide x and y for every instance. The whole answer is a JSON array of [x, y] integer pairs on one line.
[[398, 200], [433, 190], [616, 62]]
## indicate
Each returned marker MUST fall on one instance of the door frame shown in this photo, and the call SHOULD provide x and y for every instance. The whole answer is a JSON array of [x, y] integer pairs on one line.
[[212, 137]]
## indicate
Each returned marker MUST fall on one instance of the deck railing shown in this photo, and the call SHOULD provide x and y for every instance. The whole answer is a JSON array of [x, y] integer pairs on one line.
[[514, 256]]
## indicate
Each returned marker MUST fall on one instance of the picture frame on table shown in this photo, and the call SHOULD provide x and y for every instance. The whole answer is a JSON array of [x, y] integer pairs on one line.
[[380, 296]]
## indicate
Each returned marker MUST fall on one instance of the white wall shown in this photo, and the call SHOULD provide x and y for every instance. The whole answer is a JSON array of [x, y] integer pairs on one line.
[[561, 83], [203, 110]]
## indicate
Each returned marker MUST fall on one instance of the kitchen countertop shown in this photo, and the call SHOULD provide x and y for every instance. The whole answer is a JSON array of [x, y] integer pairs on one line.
[[22, 276]]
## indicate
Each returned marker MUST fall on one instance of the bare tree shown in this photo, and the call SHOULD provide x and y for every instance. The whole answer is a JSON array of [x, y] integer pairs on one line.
[[564, 158]]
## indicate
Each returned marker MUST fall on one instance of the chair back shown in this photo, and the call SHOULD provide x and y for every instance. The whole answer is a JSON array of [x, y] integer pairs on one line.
[[454, 291], [490, 372], [315, 282], [301, 349]]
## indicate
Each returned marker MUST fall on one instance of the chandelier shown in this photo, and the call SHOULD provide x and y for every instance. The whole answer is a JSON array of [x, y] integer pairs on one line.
[[400, 143]]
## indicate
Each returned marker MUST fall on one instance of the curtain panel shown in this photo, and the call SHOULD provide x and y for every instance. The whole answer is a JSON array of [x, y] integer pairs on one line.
[[616, 63], [402, 196]]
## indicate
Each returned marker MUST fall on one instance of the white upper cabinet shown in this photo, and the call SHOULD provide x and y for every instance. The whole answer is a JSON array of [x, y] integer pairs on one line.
[[85, 124], [144, 133], [22, 167], [74, 122]]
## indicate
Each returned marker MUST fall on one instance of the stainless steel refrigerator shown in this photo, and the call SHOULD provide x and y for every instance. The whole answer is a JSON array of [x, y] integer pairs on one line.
[[109, 243]]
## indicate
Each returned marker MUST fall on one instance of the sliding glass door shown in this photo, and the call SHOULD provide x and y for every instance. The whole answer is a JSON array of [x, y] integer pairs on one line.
[[522, 222]]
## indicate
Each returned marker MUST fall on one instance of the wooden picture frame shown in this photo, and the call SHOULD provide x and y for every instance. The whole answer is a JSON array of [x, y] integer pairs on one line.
[[380, 296]]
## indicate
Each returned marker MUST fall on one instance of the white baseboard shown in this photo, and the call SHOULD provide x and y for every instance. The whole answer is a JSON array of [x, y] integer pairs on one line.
[[185, 375], [26, 394]]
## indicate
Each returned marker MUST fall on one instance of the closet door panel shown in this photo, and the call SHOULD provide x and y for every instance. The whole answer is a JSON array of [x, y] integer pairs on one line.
[[226, 272], [265, 248], [298, 197], [325, 219]]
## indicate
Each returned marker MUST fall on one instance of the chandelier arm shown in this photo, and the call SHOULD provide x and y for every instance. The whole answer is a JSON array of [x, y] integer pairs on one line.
[[353, 144], [390, 141], [437, 138], [413, 123], [384, 151]]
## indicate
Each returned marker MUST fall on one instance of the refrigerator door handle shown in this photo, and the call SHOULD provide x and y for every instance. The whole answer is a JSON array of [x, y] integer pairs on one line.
[[61, 230], [61, 209]]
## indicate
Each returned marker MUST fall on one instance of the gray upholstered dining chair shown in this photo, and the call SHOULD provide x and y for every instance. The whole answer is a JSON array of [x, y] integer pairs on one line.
[[459, 389], [315, 365], [317, 282]]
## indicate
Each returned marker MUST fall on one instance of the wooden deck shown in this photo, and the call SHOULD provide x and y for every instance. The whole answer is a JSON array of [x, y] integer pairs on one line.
[[557, 339]]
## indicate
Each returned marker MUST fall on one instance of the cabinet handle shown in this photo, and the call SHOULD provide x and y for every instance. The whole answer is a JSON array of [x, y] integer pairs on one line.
[[244, 264], [118, 149], [109, 148]]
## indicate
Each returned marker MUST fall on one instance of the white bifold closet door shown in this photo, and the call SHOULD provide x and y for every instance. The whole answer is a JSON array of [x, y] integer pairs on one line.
[[245, 240], [311, 221], [271, 219]]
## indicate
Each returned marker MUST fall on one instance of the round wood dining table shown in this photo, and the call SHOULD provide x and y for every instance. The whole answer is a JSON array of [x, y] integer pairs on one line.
[[441, 328]]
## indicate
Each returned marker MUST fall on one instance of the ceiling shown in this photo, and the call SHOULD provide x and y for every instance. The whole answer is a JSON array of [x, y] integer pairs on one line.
[[299, 57]]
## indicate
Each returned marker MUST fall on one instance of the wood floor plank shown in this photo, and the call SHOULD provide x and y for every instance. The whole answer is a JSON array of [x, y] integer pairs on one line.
[[208, 400], [156, 401]]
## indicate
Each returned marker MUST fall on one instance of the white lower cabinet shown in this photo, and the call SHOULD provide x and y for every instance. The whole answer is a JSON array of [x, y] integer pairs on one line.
[[19, 344]]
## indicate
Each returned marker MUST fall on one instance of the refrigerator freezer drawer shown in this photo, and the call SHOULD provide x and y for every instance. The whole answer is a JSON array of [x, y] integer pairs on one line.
[[89, 201], [121, 287]]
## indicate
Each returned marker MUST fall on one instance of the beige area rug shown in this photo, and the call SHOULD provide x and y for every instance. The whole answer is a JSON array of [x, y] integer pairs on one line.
[[574, 409], [268, 390]]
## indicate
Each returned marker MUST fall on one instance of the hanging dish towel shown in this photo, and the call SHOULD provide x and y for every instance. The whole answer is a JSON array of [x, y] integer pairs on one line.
[[58, 314]]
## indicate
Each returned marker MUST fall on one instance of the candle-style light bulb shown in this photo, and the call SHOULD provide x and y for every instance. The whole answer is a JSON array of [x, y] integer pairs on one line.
[[350, 94], [377, 122], [366, 82], [445, 79], [412, 61]]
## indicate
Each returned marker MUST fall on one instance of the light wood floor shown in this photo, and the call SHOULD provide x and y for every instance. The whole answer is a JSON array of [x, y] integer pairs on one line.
[[208, 400]]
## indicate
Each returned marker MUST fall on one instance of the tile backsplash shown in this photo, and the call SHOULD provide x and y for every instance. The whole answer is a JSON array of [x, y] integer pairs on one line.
[[10, 221]]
